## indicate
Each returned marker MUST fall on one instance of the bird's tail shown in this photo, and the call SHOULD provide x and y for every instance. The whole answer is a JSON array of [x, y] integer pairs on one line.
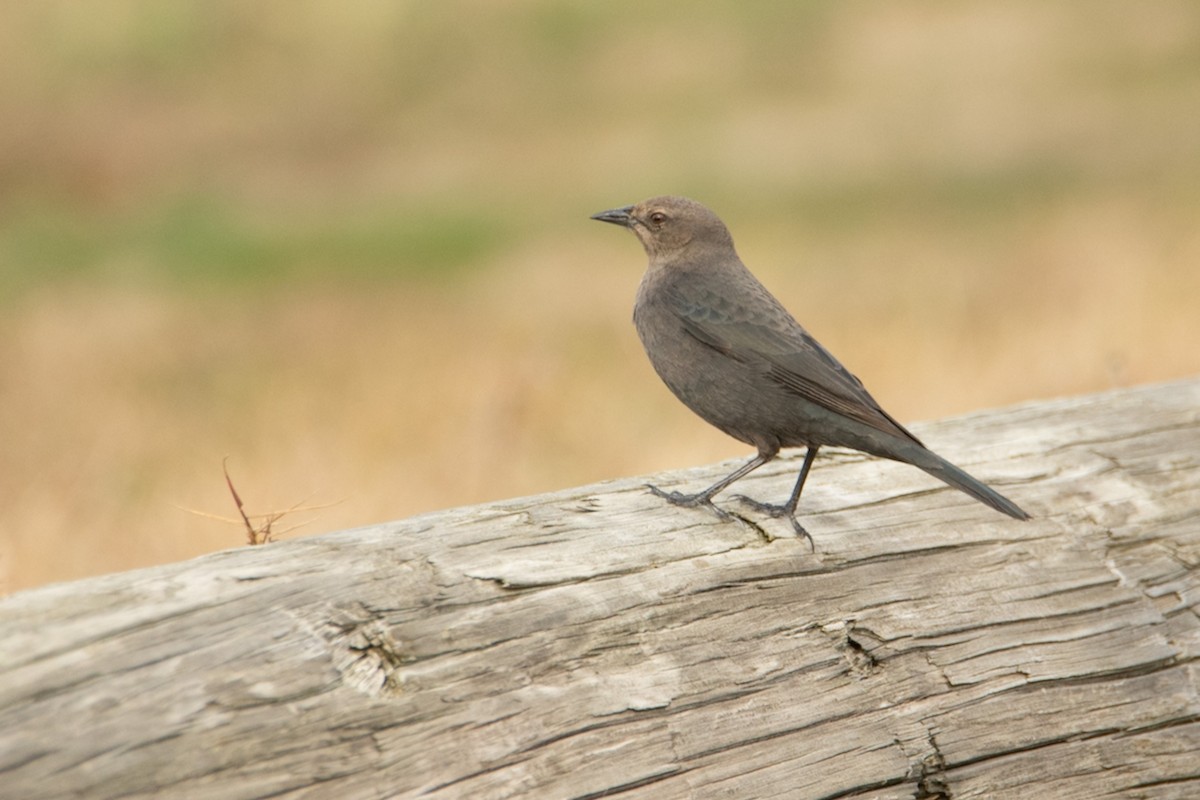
[[946, 472]]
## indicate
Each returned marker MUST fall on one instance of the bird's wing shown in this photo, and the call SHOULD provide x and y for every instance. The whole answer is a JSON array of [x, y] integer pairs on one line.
[[764, 333]]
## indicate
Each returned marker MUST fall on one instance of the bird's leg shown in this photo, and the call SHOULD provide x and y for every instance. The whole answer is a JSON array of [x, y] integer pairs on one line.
[[788, 509], [705, 498]]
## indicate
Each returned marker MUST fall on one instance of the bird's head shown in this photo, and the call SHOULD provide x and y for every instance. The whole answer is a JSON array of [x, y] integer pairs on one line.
[[669, 226]]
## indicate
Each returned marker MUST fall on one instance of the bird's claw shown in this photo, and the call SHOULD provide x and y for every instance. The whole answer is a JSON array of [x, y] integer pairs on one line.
[[778, 511], [690, 501], [770, 509]]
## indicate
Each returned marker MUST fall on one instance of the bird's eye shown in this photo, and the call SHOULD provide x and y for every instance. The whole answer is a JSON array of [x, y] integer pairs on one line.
[[658, 218]]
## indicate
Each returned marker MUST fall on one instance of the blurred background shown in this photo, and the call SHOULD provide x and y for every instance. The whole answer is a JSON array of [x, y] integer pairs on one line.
[[347, 246]]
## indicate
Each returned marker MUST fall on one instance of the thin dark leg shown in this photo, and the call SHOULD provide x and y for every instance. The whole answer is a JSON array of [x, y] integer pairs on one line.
[[705, 498], [788, 509], [794, 500]]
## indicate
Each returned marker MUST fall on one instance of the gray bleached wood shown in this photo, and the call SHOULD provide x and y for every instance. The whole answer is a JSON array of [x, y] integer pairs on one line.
[[598, 640]]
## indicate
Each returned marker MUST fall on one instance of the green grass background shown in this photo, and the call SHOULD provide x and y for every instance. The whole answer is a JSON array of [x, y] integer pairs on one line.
[[347, 245]]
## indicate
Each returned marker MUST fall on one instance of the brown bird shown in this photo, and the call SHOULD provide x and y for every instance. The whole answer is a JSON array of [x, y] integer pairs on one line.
[[734, 355]]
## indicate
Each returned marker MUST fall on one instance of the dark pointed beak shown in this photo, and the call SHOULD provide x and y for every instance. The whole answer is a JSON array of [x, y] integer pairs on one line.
[[617, 216]]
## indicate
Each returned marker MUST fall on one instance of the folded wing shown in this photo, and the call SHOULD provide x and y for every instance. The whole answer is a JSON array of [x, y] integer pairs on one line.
[[775, 342]]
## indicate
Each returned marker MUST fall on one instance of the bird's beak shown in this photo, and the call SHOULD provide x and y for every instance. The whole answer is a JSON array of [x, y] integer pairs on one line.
[[617, 216]]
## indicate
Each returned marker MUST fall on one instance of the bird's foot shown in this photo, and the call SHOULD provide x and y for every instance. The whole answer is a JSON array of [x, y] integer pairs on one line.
[[778, 511], [690, 501]]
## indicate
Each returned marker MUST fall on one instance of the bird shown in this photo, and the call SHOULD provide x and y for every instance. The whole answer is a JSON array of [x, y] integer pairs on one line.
[[730, 351]]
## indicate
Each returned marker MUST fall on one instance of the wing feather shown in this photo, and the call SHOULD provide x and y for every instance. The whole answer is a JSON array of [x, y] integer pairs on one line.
[[773, 340]]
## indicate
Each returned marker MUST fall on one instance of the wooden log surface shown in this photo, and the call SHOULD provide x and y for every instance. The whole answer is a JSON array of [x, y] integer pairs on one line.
[[599, 642]]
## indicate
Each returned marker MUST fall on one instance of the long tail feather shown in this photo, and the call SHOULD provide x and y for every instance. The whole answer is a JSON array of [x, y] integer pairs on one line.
[[946, 472]]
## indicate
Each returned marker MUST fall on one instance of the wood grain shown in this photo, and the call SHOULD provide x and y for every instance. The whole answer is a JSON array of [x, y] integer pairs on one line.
[[598, 642]]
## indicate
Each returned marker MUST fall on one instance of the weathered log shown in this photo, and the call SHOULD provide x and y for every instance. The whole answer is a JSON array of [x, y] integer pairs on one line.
[[599, 642]]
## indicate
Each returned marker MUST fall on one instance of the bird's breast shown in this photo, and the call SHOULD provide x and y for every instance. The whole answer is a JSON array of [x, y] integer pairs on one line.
[[718, 388]]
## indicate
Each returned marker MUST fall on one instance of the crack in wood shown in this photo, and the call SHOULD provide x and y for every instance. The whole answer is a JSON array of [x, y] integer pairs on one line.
[[640, 783], [1177, 781], [930, 773], [856, 647], [858, 790]]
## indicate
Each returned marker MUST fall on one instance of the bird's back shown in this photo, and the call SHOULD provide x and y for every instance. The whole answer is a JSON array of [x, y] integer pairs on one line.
[[732, 353]]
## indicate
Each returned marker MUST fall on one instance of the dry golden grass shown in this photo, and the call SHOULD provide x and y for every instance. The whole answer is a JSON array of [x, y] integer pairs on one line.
[[347, 247]]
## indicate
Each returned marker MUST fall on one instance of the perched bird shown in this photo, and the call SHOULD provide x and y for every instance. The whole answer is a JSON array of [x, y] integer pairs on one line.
[[734, 355]]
